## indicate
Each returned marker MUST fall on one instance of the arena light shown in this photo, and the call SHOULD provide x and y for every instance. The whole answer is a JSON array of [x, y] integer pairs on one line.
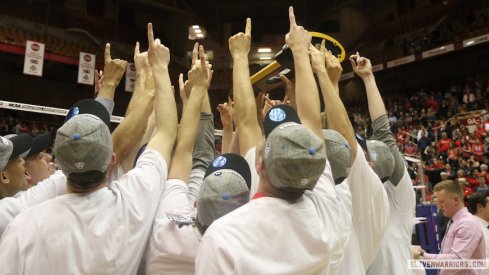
[[195, 27], [264, 50], [469, 42], [199, 35], [265, 58], [197, 30]]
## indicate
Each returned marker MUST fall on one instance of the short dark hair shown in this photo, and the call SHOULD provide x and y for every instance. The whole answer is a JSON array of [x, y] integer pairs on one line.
[[478, 197], [86, 180]]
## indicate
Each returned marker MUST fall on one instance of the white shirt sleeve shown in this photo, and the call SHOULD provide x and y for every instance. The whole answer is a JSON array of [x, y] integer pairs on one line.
[[175, 199], [370, 207], [47, 189], [142, 186], [195, 181]]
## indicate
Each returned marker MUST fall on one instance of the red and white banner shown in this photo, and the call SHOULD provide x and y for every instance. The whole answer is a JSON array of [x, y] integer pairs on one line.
[[86, 68], [474, 120], [34, 58], [130, 77]]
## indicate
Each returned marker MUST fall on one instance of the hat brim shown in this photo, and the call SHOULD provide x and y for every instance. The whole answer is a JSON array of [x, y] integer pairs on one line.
[[89, 106], [40, 143], [21, 145], [362, 141], [277, 115], [233, 162]]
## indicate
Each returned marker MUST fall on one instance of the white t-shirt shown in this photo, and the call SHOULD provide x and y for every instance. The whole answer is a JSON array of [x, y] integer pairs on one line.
[[484, 224], [103, 232], [47, 189], [172, 248], [370, 211], [255, 179], [395, 250], [273, 236]]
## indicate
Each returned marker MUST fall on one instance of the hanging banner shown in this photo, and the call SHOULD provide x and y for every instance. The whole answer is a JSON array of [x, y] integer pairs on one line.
[[86, 68], [34, 58], [130, 77]]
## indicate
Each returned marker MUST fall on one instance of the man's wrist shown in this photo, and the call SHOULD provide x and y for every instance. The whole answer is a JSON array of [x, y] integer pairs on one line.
[[368, 76]]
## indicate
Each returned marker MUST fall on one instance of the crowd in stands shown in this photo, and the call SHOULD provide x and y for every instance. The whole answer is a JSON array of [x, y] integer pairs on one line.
[[431, 125]]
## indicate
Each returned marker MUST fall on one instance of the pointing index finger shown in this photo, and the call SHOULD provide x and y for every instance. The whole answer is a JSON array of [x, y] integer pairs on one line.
[[292, 17], [151, 38], [248, 26], [195, 52], [107, 53], [202, 56], [136, 49]]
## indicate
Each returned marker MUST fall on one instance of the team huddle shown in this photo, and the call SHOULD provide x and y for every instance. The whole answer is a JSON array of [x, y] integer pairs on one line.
[[286, 196]]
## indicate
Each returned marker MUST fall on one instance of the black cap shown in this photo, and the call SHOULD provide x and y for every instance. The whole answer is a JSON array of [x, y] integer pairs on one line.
[[232, 162], [40, 143], [277, 115], [89, 106], [21, 145]]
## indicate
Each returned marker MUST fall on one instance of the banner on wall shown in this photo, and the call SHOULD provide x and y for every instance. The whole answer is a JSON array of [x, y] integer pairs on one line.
[[130, 77], [86, 68], [34, 58]]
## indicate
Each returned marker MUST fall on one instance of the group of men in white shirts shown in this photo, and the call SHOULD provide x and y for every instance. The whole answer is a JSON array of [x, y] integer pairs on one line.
[[292, 198]]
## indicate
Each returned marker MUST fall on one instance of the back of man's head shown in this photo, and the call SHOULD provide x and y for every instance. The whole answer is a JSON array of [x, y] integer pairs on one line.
[[83, 150], [479, 198], [226, 187], [341, 158], [294, 158]]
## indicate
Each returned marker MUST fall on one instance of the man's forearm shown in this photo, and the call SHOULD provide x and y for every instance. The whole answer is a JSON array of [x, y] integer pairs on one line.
[[337, 117], [376, 106], [307, 97]]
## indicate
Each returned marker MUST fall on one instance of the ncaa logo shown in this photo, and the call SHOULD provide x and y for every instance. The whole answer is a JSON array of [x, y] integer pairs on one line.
[[219, 162], [79, 165], [87, 58], [277, 115]]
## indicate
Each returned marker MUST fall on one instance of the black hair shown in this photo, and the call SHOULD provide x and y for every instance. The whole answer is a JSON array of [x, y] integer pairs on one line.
[[478, 197], [86, 180]]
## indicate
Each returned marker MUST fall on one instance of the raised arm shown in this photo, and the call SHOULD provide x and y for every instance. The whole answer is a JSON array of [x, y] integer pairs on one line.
[[244, 99], [181, 162], [165, 109], [289, 91], [227, 126], [134, 124], [113, 71], [335, 111], [307, 97], [378, 115]]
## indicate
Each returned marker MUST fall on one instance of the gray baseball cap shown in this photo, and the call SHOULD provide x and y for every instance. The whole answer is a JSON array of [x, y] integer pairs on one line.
[[12, 147], [381, 158], [294, 158], [225, 188], [339, 154], [83, 144]]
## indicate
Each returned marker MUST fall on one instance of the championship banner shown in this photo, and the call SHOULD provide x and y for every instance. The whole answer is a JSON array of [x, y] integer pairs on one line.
[[86, 68], [34, 58], [130, 77]]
